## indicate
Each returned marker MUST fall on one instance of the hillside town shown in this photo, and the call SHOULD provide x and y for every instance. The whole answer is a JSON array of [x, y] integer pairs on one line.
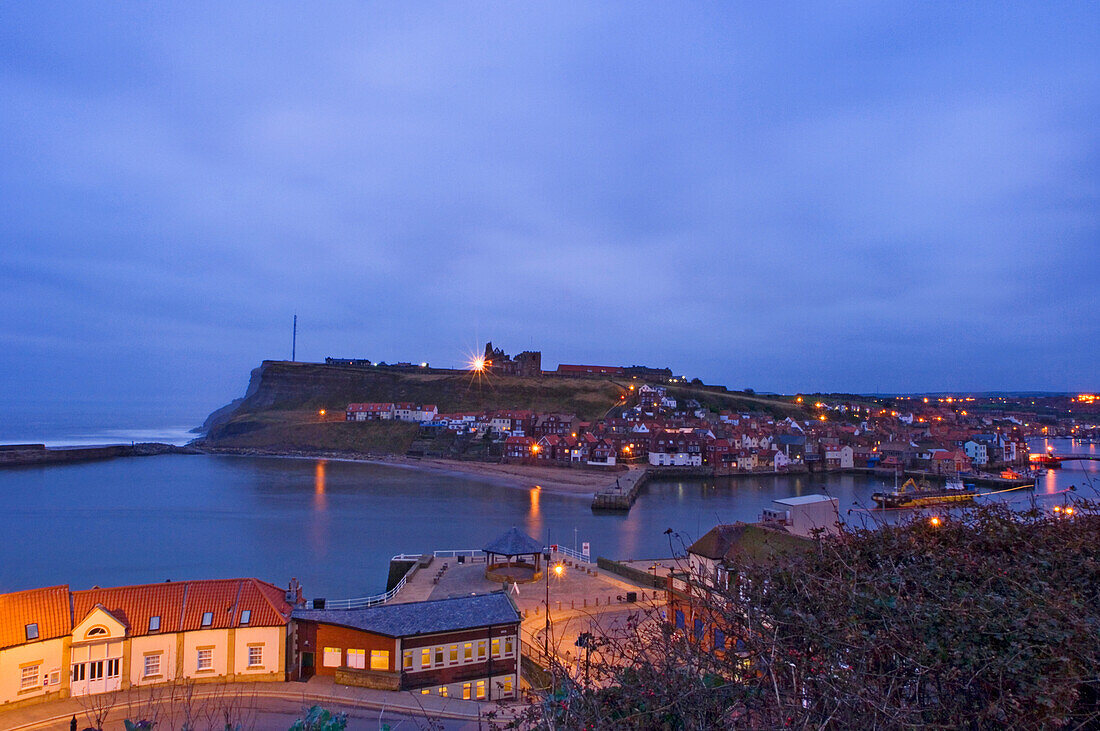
[[937, 435]]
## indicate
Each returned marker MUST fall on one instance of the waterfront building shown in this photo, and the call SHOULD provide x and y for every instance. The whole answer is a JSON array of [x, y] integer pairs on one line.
[[56, 643], [463, 647], [804, 515], [520, 449], [840, 457], [676, 447]]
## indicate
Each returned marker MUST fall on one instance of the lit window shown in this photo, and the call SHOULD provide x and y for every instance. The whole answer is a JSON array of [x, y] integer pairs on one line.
[[508, 685], [426, 691], [152, 665], [481, 646], [508, 648], [426, 658], [154, 624], [443, 691], [468, 652], [481, 689], [32, 631], [496, 648], [207, 619], [28, 677], [439, 656], [454, 654], [357, 659], [466, 691], [407, 659], [379, 659], [246, 616], [206, 659], [255, 656], [333, 657]]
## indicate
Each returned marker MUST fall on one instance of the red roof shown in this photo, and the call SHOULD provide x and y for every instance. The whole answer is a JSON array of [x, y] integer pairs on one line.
[[134, 605], [181, 605], [48, 608], [369, 407]]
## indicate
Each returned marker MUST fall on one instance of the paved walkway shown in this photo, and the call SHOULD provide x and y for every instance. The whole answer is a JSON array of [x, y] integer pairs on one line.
[[257, 705], [580, 585]]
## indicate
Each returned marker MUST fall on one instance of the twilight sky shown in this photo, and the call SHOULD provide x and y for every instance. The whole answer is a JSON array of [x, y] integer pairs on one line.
[[855, 196]]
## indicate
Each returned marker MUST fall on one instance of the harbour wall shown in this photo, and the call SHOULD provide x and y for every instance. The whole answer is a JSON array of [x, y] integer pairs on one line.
[[17, 455]]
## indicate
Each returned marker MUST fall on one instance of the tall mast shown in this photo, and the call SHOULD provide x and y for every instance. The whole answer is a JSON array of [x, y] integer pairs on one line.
[[294, 341]]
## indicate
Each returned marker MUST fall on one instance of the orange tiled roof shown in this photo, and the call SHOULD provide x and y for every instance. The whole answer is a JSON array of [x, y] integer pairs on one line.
[[48, 608], [134, 605], [181, 605]]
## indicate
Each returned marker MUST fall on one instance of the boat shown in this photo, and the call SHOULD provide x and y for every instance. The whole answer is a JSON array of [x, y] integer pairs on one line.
[[912, 495]]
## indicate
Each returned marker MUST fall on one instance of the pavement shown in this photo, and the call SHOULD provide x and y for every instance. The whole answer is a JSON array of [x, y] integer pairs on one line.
[[255, 706], [582, 598]]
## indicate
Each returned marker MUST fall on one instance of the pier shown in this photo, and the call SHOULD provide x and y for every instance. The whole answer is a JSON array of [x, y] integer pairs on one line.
[[15, 455], [623, 493]]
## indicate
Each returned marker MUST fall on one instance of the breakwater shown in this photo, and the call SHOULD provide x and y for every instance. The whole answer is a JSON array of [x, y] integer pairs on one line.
[[17, 455]]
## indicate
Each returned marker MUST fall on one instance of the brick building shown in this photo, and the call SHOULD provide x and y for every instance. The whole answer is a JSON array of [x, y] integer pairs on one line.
[[463, 647]]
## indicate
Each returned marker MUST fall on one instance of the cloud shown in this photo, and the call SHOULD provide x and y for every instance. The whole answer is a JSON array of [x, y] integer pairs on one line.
[[874, 198]]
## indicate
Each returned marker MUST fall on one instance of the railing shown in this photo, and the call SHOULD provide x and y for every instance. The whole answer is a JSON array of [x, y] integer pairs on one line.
[[375, 599], [533, 651], [575, 555], [474, 553]]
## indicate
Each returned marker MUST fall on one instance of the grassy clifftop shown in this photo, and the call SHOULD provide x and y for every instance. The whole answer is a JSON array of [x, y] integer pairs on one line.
[[280, 410]]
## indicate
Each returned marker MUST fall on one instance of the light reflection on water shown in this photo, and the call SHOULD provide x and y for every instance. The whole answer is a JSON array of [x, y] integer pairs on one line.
[[334, 524]]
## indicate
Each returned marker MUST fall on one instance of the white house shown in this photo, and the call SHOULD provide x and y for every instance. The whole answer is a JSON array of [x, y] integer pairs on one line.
[[976, 451], [842, 457], [415, 412]]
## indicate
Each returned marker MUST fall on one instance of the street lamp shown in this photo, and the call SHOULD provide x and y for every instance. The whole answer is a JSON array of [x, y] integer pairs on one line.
[[558, 571], [586, 640]]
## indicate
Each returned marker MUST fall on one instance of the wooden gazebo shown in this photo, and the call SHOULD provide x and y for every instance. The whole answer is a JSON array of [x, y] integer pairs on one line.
[[514, 558]]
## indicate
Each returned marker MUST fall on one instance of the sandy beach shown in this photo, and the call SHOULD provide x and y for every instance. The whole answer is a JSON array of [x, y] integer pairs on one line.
[[553, 479], [560, 480]]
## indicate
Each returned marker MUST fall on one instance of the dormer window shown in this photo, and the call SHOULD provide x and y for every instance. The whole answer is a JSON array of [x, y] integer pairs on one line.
[[32, 631], [154, 624], [246, 616], [94, 631], [207, 619]]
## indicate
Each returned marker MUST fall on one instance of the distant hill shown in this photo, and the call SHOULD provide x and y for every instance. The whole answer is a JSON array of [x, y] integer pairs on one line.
[[280, 410]]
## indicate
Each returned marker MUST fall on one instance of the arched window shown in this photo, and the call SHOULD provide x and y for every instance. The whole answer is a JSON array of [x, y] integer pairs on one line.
[[95, 631]]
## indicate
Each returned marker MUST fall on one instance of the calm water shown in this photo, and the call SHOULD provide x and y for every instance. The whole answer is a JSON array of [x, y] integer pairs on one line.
[[334, 525]]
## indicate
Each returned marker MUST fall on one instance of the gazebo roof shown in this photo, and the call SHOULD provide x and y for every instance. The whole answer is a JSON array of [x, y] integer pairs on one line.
[[513, 543]]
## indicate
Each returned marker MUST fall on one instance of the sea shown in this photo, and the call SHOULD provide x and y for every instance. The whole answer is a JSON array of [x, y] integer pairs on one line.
[[334, 525]]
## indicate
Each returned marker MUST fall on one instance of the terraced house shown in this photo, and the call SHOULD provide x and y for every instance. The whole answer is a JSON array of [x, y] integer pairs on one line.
[[56, 643]]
